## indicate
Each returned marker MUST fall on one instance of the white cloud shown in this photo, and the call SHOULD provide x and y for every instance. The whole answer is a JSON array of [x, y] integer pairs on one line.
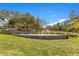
[[59, 21], [51, 24]]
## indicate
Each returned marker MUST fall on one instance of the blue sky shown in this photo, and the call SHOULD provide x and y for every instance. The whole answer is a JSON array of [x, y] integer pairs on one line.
[[51, 12]]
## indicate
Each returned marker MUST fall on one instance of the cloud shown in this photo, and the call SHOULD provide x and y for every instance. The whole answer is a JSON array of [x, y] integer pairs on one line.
[[59, 21]]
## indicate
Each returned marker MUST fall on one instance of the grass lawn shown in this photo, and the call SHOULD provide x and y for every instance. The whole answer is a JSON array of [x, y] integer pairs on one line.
[[17, 46]]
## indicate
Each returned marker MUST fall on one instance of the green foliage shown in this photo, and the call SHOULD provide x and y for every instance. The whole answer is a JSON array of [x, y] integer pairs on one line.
[[22, 22], [75, 25], [56, 27]]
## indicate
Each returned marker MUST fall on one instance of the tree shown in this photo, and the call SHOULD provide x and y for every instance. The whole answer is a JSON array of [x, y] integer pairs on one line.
[[23, 22]]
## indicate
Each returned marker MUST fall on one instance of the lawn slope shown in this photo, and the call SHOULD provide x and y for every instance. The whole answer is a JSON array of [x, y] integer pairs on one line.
[[17, 46]]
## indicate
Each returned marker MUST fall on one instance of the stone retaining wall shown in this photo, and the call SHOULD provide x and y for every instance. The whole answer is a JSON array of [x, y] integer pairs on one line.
[[41, 36], [48, 37]]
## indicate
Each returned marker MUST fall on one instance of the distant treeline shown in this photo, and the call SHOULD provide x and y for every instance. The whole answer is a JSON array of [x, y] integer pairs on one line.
[[21, 22], [28, 23], [71, 24]]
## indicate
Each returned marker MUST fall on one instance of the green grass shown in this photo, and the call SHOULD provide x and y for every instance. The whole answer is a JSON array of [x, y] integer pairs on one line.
[[16, 46]]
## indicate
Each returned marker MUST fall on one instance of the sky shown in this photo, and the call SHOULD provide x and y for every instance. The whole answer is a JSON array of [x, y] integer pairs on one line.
[[51, 12]]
